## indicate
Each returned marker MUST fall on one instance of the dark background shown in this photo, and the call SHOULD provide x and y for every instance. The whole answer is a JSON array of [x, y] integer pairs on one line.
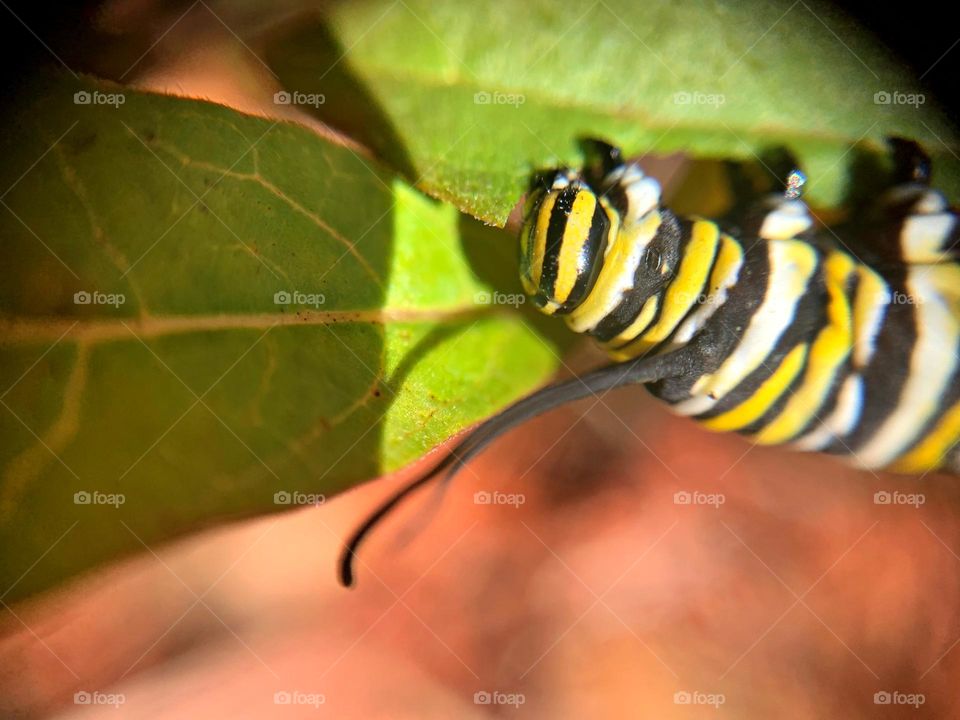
[[917, 32]]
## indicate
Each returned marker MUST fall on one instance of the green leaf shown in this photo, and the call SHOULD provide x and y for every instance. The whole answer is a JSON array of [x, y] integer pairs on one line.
[[714, 79], [178, 382]]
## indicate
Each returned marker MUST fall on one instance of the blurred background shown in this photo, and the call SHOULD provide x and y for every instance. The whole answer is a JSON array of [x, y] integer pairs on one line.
[[788, 588]]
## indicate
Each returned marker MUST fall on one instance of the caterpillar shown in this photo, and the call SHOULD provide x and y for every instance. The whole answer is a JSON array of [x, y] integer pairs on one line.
[[779, 331]]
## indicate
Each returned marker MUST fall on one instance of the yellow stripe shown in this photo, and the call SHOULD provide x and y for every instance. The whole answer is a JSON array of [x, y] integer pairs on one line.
[[575, 235], [930, 451], [616, 262], [753, 408], [526, 267], [933, 361], [828, 352], [644, 317], [726, 270], [729, 258], [792, 262], [684, 290], [869, 306], [540, 237]]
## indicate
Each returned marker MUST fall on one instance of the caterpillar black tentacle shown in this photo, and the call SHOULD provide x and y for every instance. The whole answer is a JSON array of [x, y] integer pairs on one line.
[[632, 372], [784, 333]]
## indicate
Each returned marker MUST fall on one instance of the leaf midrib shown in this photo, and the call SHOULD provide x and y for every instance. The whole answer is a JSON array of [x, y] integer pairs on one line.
[[17, 330]]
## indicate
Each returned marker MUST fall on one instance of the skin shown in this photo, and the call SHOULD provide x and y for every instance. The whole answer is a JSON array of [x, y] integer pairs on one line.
[[706, 590]]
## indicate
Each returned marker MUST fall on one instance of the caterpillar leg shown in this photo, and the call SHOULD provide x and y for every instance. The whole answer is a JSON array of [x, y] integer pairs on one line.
[[605, 378]]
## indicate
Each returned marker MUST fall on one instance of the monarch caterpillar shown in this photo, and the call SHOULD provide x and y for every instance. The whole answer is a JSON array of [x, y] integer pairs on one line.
[[783, 333]]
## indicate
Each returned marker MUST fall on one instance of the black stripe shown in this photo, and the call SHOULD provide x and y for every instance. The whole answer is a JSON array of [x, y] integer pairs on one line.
[[616, 195], [844, 371], [720, 335], [887, 371], [590, 260], [949, 399], [809, 317], [704, 291], [667, 241], [559, 215], [526, 258]]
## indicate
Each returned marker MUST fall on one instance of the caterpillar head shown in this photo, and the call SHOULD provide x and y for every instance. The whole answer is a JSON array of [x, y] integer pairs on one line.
[[566, 229]]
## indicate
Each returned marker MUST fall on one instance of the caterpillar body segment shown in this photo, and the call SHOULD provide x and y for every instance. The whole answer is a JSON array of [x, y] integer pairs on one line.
[[782, 331], [789, 336]]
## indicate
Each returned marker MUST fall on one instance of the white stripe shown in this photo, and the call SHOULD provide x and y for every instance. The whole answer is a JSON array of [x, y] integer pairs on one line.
[[642, 192], [931, 201], [594, 309], [695, 405], [932, 364], [786, 285], [841, 421], [788, 220], [642, 196], [692, 325], [923, 236]]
